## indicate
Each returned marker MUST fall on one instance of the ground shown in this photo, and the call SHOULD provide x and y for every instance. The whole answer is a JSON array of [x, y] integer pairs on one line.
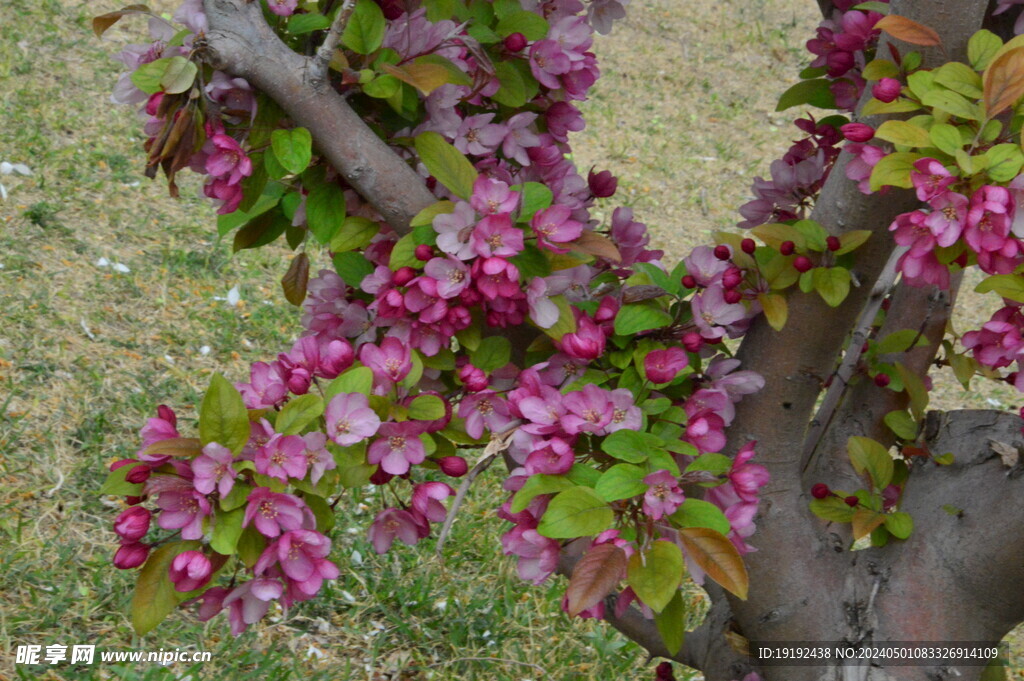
[[684, 115]]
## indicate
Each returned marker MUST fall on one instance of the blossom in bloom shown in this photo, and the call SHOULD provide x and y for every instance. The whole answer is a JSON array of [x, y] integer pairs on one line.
[[397, 447], [538, 555], [390, 362], [554, 457], [662, 366], [318, 458], [282, 457], [274, 513], [492, 197], [625, 414], [267, 386], [543, 311], [554, 226], [946, 221], [451, 275], [586, 342], [132, 524], [427, 497], [484, 410], [302, 555], [282, 8], [712, 313], [588, 410], [663, 495], [212, 470], [349, 419], [228, 160], [164, 426], [989, 218], [248, 602], [705, 430], [930, 178], [454, 229], [923, 269], [859, 169], [183, 509], [190, 570], [496, 236], [391, 524], [747, 478], [519, 137], [478, 136]]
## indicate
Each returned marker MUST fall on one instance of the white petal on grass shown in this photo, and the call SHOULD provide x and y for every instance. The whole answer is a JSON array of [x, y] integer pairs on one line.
[[357, 558], [3, 192], [313, 651], [234, 297], [119, 267], [102, 262], [205, 350], [88, 331]]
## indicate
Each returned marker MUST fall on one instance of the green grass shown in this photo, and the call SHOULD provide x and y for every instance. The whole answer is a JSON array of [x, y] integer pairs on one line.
[[86, 353]]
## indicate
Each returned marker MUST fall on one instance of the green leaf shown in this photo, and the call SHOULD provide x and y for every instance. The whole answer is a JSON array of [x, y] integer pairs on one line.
[[439, 10], [901, 105], [960, 78], [1004, 162], [531, 262], [903, 133], [877, 69], [293, 149], [352, 267], [446, 164], [671, 624], [566, 320], [236, 497], [365, 30], [894, 170], [815, 92], [630, 445], [814, 236], [577, 512], [530, 24], [915, 387], [427, 215], [536, 485], [719, 464], [871, 457], [493, 353], [901, 341], [982, 46], [404, 253], [699, 513], [832, 284], [832, 509], [322, 512], [656, 574], [1006, 285], [116, 484], [639, 317], [902, 424], [155, 596], [179, 76], [899, 524], [536, 196], [325, 211], [874, 6], [353, 471], [852, 240], [300, 24], [223, 417], [355, 380], [250, 546], [383, 87], [512, 92], [227, 528], [299, 413], [621, 481], [148, 76], [946, 137], [355, 233], [426, 408], [952, 103]]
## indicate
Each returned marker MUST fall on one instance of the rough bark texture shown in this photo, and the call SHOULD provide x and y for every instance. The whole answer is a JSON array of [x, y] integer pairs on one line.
[[956, 578]]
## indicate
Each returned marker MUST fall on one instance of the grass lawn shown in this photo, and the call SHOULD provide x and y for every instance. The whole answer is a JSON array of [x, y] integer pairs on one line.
[[87, 350]]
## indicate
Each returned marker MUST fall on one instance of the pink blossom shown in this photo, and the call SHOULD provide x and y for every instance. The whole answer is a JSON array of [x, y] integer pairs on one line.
[[390, 363], [478, 136], [495, 236], [391, 524], [349, 419], [212, 469], [318, 458], [484, 410], [587, 342], [183, 509], [705, 431], [162, 427], [454, 229], [625, 414], [910, 230], [930, 178], [282, 8], [859, 169], [662, 366], [555, 457], [538, 555], [267, 386], [248, 602], [949, 212], [451, 275], [712, 313], [747, 478], [492, 197], [302, 555], [228, 160], [923, 269], [427, 498], [663, 495], [190, 570], [282, 457], [989, 219], [397, 447], [519, 137], [273, 512], [587, 411], [554, 226], [543, 311]]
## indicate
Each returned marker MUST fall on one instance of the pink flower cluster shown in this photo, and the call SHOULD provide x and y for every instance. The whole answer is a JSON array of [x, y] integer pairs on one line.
[[842, 47]]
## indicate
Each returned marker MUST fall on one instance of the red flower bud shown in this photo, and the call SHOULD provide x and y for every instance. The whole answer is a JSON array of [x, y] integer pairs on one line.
[[132, 524], [123, 462], [732, 296], [380, 477], [138, 474], [802, 263], [851, 501], [424, 252], [748, 246], [732, 277], [404, 275], [602, 184], [131, 501], [833, 243], [722, 252], [663, 672], [689, 281], [820, 491], [787, 248], [455, 466], [515, 42], [857, 132], [131, 555], [882, 380], [692, 341], [886, 90]]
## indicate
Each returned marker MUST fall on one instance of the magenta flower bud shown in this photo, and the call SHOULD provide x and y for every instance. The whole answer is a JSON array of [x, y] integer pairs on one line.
[[515, 42], [454, 466], [165, 413], [190, 570], [820, 490], [139, 474], [607, 310], [335, 357], [404, 275], [787, 248], [123, 462], [131, 501], [802, 263], [732, 296], [857, 132], [132, 524], [299, 381], [748, 246], [852, 501], [424, 252], [662, 366], [882, 380], [886, 90], [692, 341], [689, 281], [587, 342], [380, 477], [473, 378], [834, 244], [723, 252], [131, 555], [732, 277], [602, 184]]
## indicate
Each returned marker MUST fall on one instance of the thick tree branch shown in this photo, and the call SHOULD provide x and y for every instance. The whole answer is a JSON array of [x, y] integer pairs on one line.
[[241, 43]]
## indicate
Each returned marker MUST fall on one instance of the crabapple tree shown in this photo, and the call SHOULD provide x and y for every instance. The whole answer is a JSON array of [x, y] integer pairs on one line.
[[752, 419]]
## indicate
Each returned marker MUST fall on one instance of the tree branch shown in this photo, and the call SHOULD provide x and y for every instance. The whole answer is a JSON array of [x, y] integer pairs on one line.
[[241, 43], [325, 53]]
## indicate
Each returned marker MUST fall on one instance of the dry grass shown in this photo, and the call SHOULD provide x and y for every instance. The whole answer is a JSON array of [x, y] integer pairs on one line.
[[682, 116]]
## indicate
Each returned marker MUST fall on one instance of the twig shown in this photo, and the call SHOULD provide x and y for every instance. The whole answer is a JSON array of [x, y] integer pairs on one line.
[[834, 395], [322, 59], [498, 444]]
